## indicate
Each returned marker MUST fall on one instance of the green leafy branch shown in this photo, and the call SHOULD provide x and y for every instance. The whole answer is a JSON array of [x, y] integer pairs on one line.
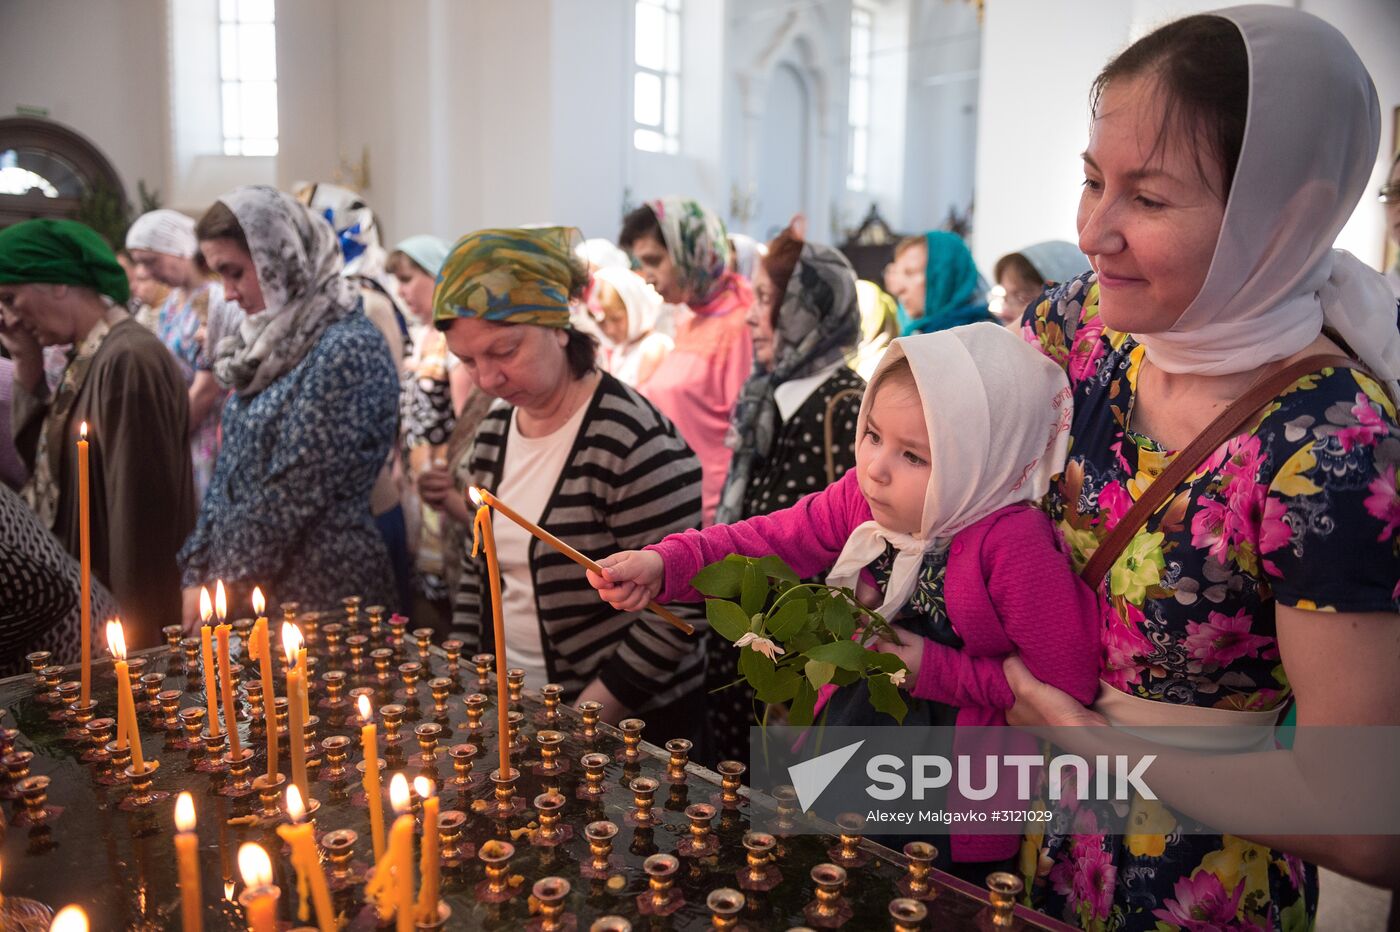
[[794, 637]]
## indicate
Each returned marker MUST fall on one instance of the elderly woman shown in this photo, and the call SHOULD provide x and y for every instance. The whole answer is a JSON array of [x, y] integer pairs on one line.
[[575, 450], [1270, 573], [683, 252], [60, 284], [163, 245], [311, 419], [1023, 275], [937, 284], [626, 308]]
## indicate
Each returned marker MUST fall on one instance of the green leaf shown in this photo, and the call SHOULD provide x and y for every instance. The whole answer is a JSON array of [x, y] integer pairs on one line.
[[754, 590], [756, 668], [848, 655], [788, 621], [887, 662], [803, 641], [800, 713], [885, 697], [846, 677], [721, 580], [837, 617], [819, 672], [782, 687], [774, 568], [727, 619]]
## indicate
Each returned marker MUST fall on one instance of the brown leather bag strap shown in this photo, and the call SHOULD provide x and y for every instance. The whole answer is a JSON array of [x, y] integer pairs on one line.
[[830, 429], [1226, 425]]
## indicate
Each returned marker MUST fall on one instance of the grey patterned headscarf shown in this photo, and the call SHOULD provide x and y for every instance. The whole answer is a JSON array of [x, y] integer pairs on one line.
[[299, 266], [817, 324]]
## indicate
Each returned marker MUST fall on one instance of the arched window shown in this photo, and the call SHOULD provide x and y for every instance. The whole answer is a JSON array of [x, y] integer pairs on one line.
[[48, 170]]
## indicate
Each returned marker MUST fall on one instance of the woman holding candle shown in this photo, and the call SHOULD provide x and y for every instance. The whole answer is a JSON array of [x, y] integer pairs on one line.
[[574, 450], [61, 284], [311, 420]]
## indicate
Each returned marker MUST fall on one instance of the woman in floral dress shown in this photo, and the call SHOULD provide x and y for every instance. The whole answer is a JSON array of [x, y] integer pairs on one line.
[[1274, 567]]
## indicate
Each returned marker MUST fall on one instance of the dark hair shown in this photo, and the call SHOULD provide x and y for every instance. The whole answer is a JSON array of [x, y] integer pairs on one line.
[[898, 371], [1201, 64], [638, 225], [219, 222], [1018, 265], [781, 261], [401, 263], [581, 350]]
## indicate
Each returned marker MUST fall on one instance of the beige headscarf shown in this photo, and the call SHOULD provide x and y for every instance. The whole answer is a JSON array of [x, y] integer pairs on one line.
[[998, 415]]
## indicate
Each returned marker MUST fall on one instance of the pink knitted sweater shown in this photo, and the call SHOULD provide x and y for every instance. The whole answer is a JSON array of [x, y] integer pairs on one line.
[[1008, 588]]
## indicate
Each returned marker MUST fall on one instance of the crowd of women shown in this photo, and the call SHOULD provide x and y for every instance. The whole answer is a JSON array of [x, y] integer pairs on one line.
[[303, 410]]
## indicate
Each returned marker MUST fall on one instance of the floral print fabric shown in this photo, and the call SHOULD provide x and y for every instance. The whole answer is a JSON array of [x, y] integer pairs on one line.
[[1300, 510]]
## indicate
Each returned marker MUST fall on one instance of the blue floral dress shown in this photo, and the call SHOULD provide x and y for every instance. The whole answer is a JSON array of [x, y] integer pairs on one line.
[[288, 506], [1301, 511]]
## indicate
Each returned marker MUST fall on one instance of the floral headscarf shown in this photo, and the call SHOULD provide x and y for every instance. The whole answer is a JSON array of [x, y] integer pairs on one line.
[[817, 324], [510, 276], [298, 262], [699, 248]]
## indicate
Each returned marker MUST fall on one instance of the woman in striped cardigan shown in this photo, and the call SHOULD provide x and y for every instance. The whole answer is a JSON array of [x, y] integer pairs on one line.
[[582, 454]]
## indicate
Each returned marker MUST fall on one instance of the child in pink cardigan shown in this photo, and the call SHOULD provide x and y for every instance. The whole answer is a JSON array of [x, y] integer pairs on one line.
[[959, 434]]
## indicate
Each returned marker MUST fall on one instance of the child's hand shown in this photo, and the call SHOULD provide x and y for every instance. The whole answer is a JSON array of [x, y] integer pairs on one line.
[[630, 579], [911, 652]]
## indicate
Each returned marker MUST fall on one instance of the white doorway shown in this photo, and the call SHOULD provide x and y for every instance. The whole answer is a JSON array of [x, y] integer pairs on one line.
[[784, 152]]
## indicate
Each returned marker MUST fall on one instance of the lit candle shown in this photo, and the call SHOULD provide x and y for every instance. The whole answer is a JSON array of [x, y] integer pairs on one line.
[[482, 535], [85, 565], [374, 791], [483, 498], [430, 865], [211, 694], [300, 836], [187, 856], [291, 644], [260, 898], [391, 887], [70, 919], [126, 703], [260, 649], [222, 633]]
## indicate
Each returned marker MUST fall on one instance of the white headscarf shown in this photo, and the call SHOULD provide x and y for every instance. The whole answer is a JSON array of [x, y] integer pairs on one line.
[[1275, 279], [164, 231], [640, 299], [600, 253], [998, 415]]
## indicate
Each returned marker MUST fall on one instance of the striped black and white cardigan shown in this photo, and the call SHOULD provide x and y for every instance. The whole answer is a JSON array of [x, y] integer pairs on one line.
[[629, 480]]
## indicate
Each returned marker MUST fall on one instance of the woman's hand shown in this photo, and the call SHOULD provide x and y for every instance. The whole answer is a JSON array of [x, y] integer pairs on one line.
[[1040, 704], [910, 650], [630, 579], [438, 489]]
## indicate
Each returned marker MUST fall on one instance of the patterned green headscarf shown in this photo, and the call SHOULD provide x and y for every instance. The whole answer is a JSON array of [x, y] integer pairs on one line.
[[520, 276], [698, 244], [61, 252]]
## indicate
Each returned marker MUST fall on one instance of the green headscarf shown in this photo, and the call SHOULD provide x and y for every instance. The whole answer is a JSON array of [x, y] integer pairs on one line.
[[521, 276], [953, 291], [61, 252]]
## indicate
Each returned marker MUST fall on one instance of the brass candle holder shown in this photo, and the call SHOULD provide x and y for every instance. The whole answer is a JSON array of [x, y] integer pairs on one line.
[[214, 747], [661, 898], [507, 803], [847, 851], [452, 648], [352, 610], [594, 776], [463, 756], [483, 664], [34, 791], [240, 768], [410, 673], [381, 657], [550, 894], [192, 719], [17, 768], [49, 678], [280, 708], [1003, 889], [590, 710], [398, 633], [551, 765], [495, 856], [151, 685], [550, 694], [191, 648], [610, 924], [269, 790], [142, 797], [8, 736], [337, 752], [289, 611], [631, 729], [99, 732], [356, 643], [441, 689], [339, 847], [759, 872], [38, 662], [786, 798], [829, 909], [452, 844], [701, 842], [907, 915], [725, 905], [375, 613], [514, 722], [643, 802], [428, 735], [69, 693], [333, 682], [355, 718], [915, 884], [173, 634], [680, 758], [243, 629], [423, 637], [600, 837], [312, 746], [731, 780], [313, 629], [515, 685], [257, 714], [476, 709], [169, 702]]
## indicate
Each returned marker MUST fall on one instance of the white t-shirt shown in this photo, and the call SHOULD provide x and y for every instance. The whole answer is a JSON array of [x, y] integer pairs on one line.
[[529, 475]]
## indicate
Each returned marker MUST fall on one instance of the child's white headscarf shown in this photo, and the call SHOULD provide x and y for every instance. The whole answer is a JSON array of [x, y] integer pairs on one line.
[[998, 415], [1275, 278]]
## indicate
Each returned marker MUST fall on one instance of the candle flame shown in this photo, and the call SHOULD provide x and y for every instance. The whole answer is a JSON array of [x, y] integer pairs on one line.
[[220, 600], [295, 807], [206, 607], [70, 919], [82, 431], [255, 866], [398, 793], [116, 639], [184, 812], [475, 495], [259, 603], [228, 890], [291, 642], [365, 711], [423, 787]]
